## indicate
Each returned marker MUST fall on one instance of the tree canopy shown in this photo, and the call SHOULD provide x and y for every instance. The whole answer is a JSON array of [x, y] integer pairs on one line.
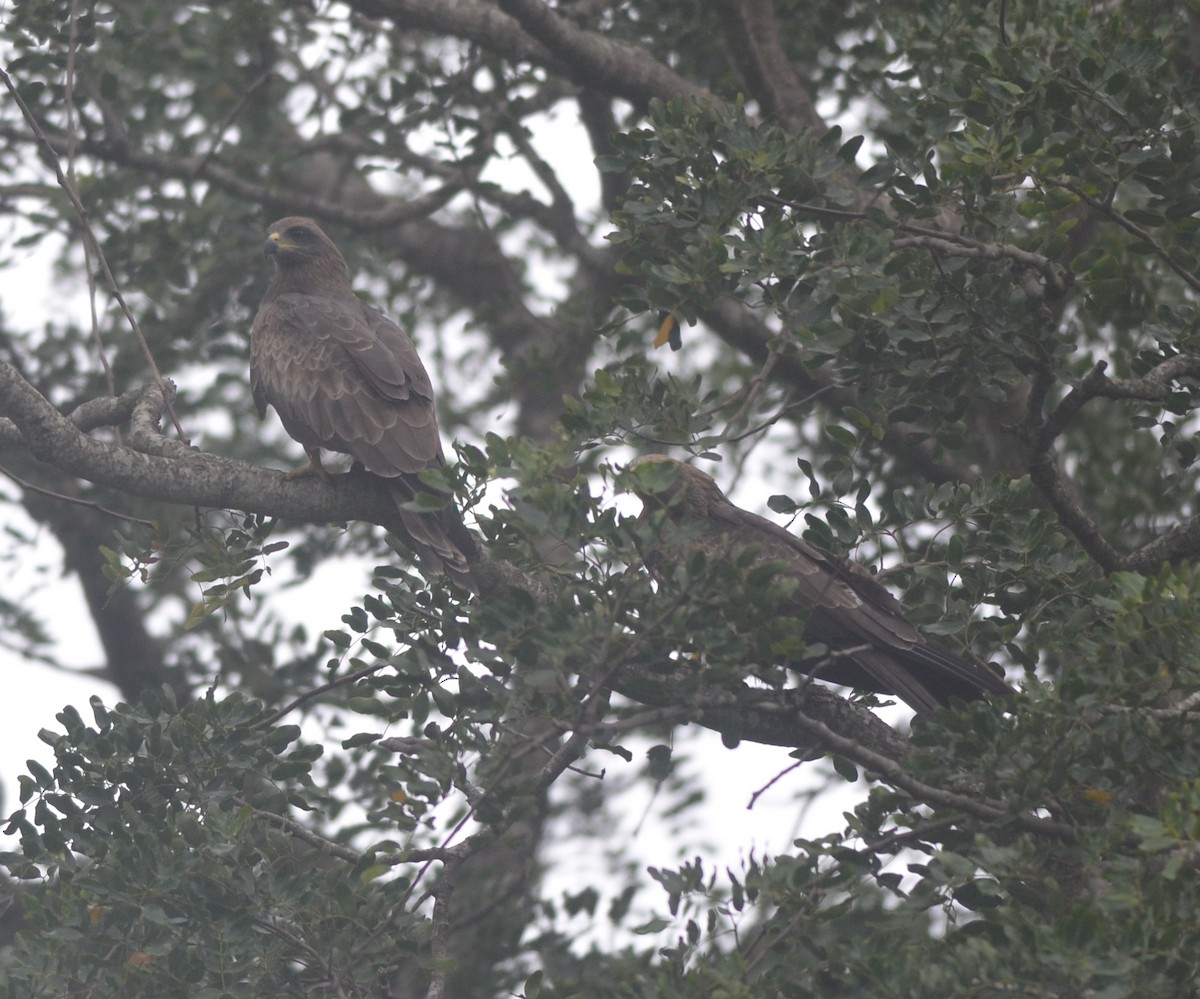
[[932, 273]]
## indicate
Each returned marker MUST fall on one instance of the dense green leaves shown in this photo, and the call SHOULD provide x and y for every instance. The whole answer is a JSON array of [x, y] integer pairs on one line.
[[951, 335]]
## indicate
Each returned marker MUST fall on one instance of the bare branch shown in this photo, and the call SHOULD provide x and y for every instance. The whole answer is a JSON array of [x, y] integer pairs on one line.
[[303, 833], [87, 504], [104, 411]]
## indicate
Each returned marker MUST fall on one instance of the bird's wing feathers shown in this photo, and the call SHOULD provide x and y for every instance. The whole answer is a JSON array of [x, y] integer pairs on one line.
[[871, 645], [345, 378], [853, 600], [389, 359]]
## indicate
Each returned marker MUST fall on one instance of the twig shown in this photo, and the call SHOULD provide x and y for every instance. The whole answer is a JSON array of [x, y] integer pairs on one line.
[[316, 692], [82, 214], [229, 119], [273, 927], [771, 783], [295, 829], [69, 103], [28, 486], [950, 244], [1185, 707], [892, 841], [752, 391], [1106, 209], [891, 771]]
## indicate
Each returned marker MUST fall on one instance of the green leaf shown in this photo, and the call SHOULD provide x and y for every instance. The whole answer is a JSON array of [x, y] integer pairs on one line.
[[659, 759], [844, 768]]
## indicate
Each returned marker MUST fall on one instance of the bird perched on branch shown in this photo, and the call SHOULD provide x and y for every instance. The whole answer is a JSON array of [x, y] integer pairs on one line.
[[343, 377], [868, 643]]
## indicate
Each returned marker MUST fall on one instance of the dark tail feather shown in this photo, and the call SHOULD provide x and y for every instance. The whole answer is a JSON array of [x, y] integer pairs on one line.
[[949, 674], [925, 676], [438, 537], [867, 668]]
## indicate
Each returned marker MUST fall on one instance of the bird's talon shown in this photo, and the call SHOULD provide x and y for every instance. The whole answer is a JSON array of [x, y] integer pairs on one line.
[[312, 468]]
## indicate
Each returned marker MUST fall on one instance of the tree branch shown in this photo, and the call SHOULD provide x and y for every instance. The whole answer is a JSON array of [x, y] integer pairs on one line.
[[769, 717], [178, 474], [891, 772], [1040, 432], [753, 36], [1106, 209], [390, 213], [171, 472], [304, 834], [475, 21], [596, 62]]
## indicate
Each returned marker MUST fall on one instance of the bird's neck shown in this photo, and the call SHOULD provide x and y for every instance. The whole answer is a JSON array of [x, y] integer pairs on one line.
[[326, 279]]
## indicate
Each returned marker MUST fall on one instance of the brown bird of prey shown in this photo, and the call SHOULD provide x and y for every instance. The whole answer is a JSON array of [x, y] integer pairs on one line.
[[870, 645], [344, 377]]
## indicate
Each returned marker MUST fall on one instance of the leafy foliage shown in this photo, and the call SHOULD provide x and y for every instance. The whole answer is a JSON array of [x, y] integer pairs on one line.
[[953, 332]]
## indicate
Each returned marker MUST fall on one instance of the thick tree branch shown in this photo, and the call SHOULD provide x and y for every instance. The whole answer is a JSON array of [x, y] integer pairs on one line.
[[529, 31], [600, 63], [475, 21], [1046, 474], [769, 717], [753, 37], [178, 474]]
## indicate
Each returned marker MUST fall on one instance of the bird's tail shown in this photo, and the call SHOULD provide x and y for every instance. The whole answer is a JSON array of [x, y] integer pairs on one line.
[[925, 676], [438, 537]]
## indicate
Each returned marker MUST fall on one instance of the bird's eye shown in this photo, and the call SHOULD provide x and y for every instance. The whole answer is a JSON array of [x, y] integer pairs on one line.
[[298, 234]]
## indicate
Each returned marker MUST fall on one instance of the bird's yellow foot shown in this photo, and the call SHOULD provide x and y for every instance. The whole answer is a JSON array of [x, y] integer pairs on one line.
[[314, 467]]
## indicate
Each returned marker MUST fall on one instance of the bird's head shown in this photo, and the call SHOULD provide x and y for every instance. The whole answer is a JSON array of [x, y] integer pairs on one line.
[[664, 483], [299, 244]]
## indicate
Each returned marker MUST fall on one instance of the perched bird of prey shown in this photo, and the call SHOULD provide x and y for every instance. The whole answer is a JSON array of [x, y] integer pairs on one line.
[[344, 377], [869, 643]]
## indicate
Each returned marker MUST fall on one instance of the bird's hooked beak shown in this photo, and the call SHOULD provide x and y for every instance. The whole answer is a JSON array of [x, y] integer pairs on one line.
[[271, 246]]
